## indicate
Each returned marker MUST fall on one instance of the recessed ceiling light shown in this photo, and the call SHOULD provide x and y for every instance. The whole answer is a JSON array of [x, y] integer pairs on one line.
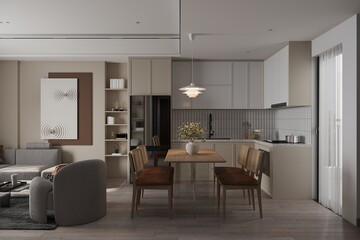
[[270, 29], [138, 22]]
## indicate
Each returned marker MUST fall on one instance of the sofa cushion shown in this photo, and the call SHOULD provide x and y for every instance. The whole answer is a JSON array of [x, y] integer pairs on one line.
[[4, 165], [48, 157], [24, 172], [9, 156]]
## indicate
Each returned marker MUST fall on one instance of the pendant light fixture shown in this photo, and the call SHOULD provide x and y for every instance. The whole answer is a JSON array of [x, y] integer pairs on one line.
[[192, 91]]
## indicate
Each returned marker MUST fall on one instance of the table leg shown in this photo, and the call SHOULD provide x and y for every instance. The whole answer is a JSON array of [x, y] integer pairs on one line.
[[193, 181]]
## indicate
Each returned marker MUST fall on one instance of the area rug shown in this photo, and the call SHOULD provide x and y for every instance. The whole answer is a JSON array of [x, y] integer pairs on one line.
[[17, 216]]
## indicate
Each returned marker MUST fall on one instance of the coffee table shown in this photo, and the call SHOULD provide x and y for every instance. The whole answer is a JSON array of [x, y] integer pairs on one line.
[[7, 186], [4, 199]]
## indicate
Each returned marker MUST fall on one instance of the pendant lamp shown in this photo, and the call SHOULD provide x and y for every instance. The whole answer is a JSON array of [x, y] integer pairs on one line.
[[192, 91]]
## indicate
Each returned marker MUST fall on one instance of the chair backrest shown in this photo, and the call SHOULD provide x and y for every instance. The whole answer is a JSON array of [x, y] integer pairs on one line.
[[242, 157], [136, 161], [156, 140], [144, 158], [255, 162]]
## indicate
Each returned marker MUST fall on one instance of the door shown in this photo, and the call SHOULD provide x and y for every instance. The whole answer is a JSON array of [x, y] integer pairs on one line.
[[330, 129]]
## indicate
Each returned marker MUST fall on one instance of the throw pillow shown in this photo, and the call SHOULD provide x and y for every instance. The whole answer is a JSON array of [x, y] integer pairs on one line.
[[58, 168]]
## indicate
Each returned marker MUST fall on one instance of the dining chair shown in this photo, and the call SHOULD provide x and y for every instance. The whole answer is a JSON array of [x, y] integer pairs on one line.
[[236, 180], [145, 161], [242, 159], [157, 154], [149, 178]]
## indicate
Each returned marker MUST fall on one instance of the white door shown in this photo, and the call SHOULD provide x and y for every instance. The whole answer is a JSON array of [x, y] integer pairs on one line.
[[330, 129]]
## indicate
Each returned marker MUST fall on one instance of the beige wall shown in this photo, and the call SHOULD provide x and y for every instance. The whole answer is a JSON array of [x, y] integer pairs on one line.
[[9, 78], [20, 105]]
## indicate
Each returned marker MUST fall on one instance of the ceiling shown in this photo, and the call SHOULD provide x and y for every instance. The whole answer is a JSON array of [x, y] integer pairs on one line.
[[256, 29], [242, 29]]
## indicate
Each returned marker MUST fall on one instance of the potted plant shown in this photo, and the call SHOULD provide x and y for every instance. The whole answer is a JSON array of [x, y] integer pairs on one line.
[[246, 127], [191, 131]]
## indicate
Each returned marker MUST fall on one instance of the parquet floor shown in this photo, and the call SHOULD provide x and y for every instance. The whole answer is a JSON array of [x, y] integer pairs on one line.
[[283, 220]]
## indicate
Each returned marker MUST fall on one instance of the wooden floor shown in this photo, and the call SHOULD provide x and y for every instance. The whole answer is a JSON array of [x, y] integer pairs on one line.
[[283, 220]]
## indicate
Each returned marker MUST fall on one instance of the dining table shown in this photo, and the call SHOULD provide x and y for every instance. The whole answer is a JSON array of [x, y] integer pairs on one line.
[[203, 156]]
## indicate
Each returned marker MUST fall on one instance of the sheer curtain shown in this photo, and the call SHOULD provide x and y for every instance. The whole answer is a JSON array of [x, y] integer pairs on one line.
[[330, 129]]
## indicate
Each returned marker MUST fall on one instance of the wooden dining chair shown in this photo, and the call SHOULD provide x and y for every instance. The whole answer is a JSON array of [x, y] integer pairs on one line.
[[157, 154], [242, 159], [149, 178], [236, 180]]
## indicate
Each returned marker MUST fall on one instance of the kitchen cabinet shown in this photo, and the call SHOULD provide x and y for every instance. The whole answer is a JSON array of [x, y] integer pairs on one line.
[[248, 89], [181, 77], [287, 76], [229, 85], [290, 171], [150, 76]]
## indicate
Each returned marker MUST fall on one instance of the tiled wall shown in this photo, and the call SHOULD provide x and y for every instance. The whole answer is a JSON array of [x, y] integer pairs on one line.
[[296, 121], [274, 124], [227, 123]]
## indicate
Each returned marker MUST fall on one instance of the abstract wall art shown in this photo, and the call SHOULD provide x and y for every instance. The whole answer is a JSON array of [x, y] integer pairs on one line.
[[59, 108]]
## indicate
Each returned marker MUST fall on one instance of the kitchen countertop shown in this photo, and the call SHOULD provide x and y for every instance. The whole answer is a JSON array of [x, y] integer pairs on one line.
[[249, 141]]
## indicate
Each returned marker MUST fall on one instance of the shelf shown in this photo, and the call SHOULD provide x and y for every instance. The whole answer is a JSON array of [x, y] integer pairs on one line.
[[137, 131], [116, 89], [137, 106], [137, 119], [116, 111], [119, 124], [115, 140]]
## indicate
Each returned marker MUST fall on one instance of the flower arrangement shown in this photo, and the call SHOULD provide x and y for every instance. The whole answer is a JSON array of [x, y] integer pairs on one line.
[[192, 131]]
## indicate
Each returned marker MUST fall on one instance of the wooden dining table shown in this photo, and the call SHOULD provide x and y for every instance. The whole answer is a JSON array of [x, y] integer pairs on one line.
[[203, 156]]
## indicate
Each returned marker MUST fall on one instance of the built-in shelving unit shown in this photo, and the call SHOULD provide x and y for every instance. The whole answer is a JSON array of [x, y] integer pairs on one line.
[[137, 118], [117, 128]]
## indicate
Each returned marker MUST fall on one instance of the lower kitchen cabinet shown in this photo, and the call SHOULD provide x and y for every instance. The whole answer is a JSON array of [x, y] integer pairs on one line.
[[290, 172]]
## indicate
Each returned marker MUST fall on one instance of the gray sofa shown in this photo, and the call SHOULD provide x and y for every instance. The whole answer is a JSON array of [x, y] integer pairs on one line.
[[27, 163]]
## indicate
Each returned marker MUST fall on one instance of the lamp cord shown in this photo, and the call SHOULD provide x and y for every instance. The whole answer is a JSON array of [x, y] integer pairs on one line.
[[192, 61]]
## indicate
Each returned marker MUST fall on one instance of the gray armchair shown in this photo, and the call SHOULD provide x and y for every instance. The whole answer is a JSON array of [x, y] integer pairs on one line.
[[77, 195]]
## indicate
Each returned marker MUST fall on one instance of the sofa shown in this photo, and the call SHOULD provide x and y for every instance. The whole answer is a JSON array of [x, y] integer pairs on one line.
[[27, 163], [77, 194]]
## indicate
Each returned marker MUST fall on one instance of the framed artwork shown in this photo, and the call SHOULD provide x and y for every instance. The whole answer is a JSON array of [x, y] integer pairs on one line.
[[59, 108]]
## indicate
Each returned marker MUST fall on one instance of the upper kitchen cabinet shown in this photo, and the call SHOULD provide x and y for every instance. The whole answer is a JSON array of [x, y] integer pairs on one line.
[[248, 85], [229, 85], [181, 76], [110, 27], [150, 76], [287, 76], [216, 78]]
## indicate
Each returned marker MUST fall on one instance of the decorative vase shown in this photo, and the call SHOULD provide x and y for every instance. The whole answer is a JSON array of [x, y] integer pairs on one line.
[[192, 148]]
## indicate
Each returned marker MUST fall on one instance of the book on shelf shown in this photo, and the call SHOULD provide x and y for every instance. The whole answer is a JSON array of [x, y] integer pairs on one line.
[[116, 83]]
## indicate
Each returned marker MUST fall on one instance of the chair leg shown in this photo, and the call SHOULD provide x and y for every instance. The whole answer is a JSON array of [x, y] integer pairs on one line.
[[218, 195], [133, 201], [169, 201], [142, 193], [259, 200], [249, 196], [253, 198], [224, 201], [138, 195], [244, 193]]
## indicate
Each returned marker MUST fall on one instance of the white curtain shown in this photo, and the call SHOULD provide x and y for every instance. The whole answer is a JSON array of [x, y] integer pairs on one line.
[[330, 129]]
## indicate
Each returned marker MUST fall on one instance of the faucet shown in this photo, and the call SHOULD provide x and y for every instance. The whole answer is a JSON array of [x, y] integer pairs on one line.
[[211, 131]]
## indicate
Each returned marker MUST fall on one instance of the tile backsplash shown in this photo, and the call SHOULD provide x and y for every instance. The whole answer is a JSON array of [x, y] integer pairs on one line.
[[295, 121], [227, 123]]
